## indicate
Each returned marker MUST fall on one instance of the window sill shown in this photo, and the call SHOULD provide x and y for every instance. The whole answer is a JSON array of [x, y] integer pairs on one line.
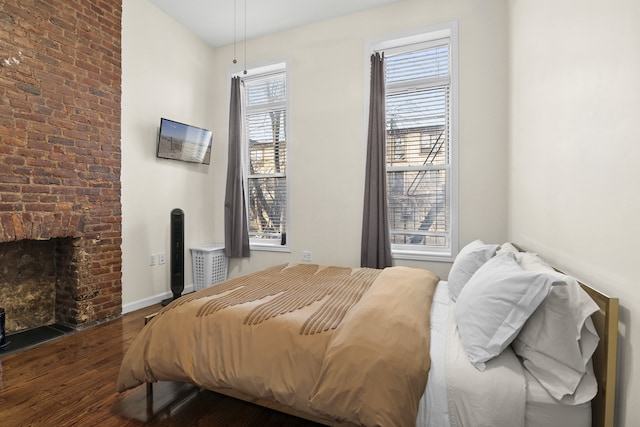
[[269, 248], [422, 256]]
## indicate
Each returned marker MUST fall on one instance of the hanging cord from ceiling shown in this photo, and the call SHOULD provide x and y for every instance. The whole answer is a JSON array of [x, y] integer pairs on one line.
[[235, 61], [245, 36], [235, 42]]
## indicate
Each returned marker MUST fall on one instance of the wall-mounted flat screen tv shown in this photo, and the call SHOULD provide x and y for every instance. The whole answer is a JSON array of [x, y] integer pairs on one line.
[[178, 141]]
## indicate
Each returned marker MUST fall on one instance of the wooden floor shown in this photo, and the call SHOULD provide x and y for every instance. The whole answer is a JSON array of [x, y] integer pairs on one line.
[[72, 381]]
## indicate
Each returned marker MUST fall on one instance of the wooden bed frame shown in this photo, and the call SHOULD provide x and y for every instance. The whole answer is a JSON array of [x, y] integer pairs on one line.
[[604, 366], [604, 358]]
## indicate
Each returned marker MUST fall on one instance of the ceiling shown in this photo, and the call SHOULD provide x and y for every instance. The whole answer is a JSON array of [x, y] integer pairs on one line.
[[213, 20]]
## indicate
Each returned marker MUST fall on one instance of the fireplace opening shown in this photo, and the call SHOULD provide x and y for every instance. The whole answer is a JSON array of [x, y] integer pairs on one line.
[[33, 273]]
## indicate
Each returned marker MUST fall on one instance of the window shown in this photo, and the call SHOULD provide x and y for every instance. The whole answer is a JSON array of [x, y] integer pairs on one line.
[[420, 147], [265, 110]]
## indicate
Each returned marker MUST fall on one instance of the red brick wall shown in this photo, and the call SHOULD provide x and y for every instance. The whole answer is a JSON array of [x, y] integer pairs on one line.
[[60, 83]]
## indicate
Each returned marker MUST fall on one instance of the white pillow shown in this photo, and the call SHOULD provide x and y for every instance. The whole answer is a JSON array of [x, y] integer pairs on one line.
[[558, 341], [532, 262], [468, 261], [494, 305], [507, 247]]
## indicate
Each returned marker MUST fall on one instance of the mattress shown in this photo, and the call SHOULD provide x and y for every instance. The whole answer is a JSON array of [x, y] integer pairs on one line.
[[540, 409]]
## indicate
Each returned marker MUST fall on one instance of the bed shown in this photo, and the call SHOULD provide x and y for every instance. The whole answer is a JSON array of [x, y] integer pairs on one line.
[[313, 341]]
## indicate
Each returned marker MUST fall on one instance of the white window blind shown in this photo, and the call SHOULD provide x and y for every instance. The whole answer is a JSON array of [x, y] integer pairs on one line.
[[266, 153], [418, 123]]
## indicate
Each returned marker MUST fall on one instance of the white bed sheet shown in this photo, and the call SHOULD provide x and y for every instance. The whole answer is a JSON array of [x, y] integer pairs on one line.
[[435, 395], [544, 411], [541, 409]]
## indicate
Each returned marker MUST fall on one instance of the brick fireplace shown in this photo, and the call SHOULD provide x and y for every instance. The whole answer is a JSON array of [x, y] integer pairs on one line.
[[60, 83]]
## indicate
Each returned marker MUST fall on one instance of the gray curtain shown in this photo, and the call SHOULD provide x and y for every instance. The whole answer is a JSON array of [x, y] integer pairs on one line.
[[376, 243], [236, 231]]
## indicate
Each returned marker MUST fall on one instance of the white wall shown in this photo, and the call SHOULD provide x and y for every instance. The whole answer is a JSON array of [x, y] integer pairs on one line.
[[574, 154], [166, 73], [329, 70]]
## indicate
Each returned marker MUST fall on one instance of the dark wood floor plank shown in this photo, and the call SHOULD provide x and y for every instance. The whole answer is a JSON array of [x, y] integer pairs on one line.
[[71, 381]]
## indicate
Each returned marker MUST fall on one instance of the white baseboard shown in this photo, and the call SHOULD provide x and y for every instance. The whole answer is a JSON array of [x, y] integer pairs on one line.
[[146, 302]]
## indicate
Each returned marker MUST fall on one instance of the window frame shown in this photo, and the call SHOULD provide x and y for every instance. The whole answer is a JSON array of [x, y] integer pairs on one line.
[[256, 74], [407, 42]]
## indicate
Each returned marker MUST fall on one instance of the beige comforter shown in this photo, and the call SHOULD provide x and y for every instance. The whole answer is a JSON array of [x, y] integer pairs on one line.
[[350, 345]]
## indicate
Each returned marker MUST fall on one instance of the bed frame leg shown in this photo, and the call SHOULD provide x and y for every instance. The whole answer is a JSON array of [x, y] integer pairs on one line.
[[149, 400], [147, 319]]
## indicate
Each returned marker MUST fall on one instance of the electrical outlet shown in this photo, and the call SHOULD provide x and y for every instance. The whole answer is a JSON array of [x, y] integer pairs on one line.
[[306, 255], [152, 259], [161, 258]]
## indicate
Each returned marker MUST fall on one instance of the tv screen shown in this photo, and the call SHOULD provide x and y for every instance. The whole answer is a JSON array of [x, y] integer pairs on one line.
[[178, 141]]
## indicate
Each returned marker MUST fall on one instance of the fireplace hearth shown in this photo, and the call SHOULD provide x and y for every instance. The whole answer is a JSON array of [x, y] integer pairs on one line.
[[26, 339]]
